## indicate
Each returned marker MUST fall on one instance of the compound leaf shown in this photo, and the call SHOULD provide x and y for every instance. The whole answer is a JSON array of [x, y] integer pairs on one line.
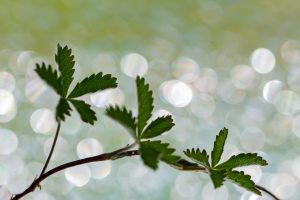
[[63, 108], [145, 103], [153, 151], [50, 76], [65, 62], [86, 113], [243, 180], [242, 160], [218, 147], [123, 116], [158, 126], [184, 165], [93, 83], [198, 156], [217, 177]]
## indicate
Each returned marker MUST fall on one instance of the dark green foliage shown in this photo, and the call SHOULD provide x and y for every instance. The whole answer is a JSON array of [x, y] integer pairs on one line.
[[65, 62], [63, 108], [158, 126], [242, 160], [137, 125], [218, 147], [198, 156], [217, 177], [61, 84], [218, 173], [92, 84], [50, 76], [145, 103], [86, 113], [182, 164], [153, 151], [243, 180], [123, 116]]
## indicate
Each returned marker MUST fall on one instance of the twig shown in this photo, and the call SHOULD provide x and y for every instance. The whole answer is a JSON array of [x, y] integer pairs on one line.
[[52, 149], [267, 191], [120, 153], [106, 156]]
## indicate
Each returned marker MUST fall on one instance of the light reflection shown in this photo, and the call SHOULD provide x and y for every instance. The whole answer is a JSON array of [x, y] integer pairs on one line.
[[207, 81], [7, 81], [263, 60], [35, 89], [186, 69], [187, 185], [290, 51], [210, 193], [107, 97], [287, 102], [284, 185], [296, 126], [271, 89], [294, 78], [8, 141], [62, 145], [100, 170], [134, 64], [43, 196], [231, 94], [177, 93], [89, 147], [42, 121], [7, 102], [79, 175], [105, 62], [8, 107], [252, 139], [243, 77], [203, 105]]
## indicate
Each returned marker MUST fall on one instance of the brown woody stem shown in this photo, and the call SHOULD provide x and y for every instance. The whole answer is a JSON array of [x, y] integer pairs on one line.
[[120, 153]]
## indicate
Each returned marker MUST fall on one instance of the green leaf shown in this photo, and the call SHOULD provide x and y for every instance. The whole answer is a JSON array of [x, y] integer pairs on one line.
[[145, 103], [153, 151], [123, 116], [184, 165], [243, 180], [93, 84], [149, 156], [242, 160], [50, 76], [86, 113], [63, 108], [218, 146], [198, 156], [158, 126], [65, 62], [217, 177]]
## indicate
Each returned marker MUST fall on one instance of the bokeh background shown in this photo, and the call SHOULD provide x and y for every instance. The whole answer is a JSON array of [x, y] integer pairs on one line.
[[210, 64]]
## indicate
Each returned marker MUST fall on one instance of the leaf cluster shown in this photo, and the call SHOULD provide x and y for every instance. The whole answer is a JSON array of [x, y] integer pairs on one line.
[[141, 127], [219, 172], [61, 79], [142, 130], [153, 151]]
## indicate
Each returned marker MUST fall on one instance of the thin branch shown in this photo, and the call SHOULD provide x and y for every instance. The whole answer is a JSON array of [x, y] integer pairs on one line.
[[52, 149], [267, 191], [120, 153]]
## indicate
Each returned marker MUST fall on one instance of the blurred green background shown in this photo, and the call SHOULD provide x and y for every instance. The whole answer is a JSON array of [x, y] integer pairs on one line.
[[210, 64]]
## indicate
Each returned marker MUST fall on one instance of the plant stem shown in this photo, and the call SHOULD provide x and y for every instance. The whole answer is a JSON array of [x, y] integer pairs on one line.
[[52, 149], [117, 154], [120, 153], [267, 191]]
